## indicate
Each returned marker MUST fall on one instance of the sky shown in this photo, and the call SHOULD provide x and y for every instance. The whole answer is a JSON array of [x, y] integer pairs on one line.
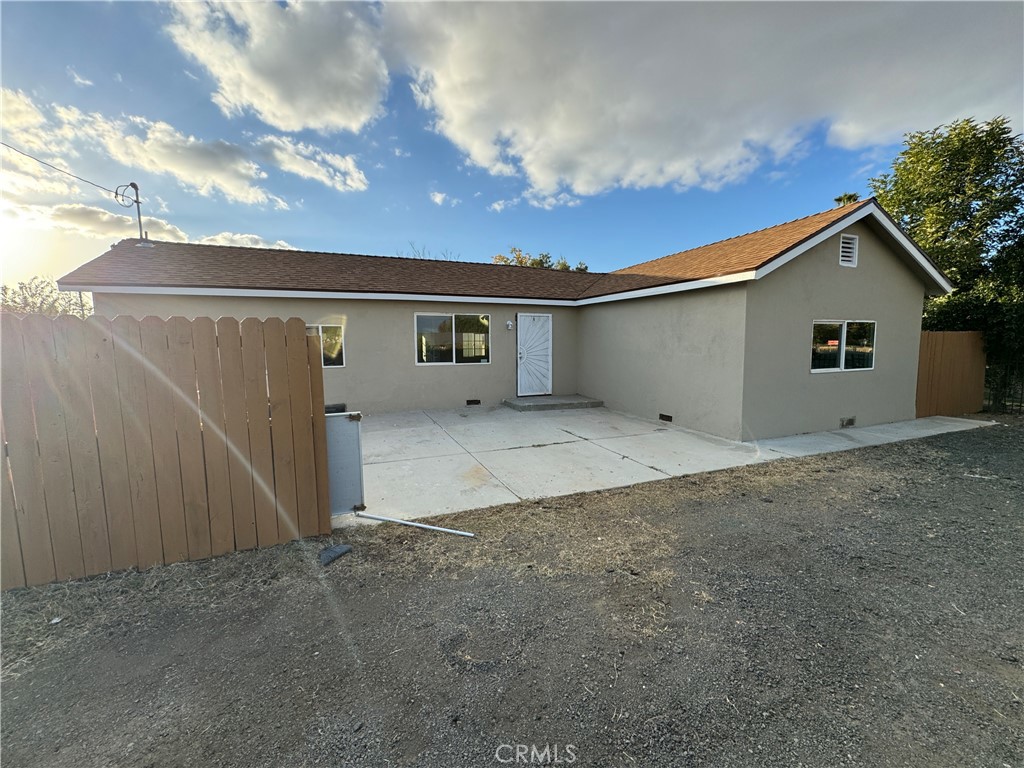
[[608, 133]]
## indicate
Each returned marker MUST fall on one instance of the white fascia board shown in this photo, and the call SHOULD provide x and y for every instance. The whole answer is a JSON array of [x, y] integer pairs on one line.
[[336, 295], [868, 210], [640, 293], [660, 290]]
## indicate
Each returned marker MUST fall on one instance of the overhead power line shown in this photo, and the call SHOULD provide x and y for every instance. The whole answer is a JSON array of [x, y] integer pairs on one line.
[[61, 170]]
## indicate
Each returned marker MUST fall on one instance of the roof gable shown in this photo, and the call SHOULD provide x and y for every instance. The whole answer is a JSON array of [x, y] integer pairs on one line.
[[160, 267]]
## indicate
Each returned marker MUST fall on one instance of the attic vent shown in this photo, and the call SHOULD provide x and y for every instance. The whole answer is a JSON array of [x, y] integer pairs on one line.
[[848, 250]]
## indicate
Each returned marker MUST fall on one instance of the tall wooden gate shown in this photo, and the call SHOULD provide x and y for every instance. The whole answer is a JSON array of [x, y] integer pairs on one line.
[[950, 373], [132, 443]]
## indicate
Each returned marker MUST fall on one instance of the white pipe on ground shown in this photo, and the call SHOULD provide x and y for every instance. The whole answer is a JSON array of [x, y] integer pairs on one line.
[[384, 519]]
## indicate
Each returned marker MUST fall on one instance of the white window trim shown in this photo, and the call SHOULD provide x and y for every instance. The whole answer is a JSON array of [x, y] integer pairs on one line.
[[842, 346], [452, 315], [319, 332], [856, 250]]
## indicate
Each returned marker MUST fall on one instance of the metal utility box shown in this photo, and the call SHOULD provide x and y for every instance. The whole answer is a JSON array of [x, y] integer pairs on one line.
[[344, 460]]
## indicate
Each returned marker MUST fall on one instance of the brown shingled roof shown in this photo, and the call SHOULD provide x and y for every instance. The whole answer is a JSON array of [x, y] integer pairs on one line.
[[186, 265], [177, 265], [743, 253]]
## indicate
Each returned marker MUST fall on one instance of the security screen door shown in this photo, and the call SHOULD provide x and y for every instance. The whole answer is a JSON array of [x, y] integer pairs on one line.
[[533, 333]]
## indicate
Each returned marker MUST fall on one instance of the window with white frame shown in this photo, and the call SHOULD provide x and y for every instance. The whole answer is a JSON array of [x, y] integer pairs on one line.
[[843, 345], [452, 339], [332, 343], [848, 250]]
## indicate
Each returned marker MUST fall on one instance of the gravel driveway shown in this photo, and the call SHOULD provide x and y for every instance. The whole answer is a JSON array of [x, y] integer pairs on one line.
[[863, 608]]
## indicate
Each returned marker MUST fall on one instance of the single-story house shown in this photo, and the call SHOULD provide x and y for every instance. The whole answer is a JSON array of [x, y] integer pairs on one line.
[[800, 327]]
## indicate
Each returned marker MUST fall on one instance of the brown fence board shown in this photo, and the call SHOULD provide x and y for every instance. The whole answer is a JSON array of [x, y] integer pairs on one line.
[[135, 443], [110, 440], [951, 373], [254, 368], [76, 404], [281, 429], [26, 470], [181, 356], [316, 396], [215, 453], [236, 433], [51, 432], [12, 569], [302, 426], [160, 400], [131, 368]]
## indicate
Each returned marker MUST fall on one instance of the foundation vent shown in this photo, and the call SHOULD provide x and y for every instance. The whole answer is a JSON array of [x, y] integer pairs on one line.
[[664, 417]]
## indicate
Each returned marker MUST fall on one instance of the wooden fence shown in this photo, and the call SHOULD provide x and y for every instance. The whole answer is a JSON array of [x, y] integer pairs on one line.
[[950, 373], [133, 443]]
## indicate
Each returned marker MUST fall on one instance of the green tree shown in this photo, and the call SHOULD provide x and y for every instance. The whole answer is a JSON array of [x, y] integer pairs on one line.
[[846, 198], [41, 295], [520, 258], [958, 190]]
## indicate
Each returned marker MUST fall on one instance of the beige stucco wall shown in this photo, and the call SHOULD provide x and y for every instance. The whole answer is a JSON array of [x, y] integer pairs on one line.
[[681, 355], [780, 394], [380, 372]]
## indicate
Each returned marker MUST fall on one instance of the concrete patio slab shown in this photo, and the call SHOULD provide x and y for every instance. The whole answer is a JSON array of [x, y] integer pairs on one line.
[[431, 486], [556, 470], [400, 444], [377, 422], [859, 437], [422, 463], [678, 452], [480, 436], [601, 423]]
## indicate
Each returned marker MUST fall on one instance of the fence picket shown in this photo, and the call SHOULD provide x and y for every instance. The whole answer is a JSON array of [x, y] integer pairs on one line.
[[76, 402], [33, 524], [185, 398], [211, 404], [316, 391], [131, 368], [110, 440], [281, 429], [302, 426], [257, 405], [51, 431], [159, 399], [12, 569], [236, 429]]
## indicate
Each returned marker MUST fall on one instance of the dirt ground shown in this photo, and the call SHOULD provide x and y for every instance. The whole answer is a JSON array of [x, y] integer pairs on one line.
[[863, 608]]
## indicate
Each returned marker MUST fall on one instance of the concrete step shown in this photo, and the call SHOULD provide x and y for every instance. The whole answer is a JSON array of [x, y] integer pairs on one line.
[[551, 402]]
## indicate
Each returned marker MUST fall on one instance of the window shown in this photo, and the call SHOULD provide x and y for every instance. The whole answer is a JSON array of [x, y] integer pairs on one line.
[[332, 343], [848, 250], [838, 345], [457, 339]]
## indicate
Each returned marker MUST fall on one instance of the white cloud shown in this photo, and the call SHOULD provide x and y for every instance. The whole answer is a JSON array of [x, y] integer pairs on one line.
[[438, 198], [296, 66], [207, 167], [500, 205], [580, 98], [78, 80], [244, 241], [100, 224], [338, 172], [23, 121], [97, 222], [399, 152]]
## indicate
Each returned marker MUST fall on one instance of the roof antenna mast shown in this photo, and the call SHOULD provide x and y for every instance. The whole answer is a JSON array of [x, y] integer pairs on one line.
[[127, 201]]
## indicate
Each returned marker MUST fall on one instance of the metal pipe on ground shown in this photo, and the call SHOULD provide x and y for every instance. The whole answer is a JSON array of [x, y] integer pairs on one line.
[[383, 519]]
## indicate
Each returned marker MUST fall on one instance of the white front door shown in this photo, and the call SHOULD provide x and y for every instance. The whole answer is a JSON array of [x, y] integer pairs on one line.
[[533, 335]]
